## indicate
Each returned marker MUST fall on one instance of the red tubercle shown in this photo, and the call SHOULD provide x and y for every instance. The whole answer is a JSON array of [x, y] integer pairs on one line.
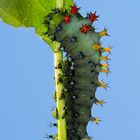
[[67, 18], [92, 17], [85, 28], [74, 9]]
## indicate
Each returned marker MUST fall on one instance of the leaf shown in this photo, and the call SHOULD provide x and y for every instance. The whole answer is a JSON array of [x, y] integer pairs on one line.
[[29, 13]]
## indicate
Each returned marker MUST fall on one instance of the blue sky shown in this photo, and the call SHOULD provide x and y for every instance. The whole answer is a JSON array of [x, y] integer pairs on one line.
[[26, 77]]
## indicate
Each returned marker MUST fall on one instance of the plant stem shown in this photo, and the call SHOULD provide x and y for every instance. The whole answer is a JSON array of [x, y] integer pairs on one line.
[[60, 103], [58, 60], [60, 4]]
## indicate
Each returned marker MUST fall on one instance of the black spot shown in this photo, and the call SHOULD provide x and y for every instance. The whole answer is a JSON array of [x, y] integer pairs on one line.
[[70, 57], [60, 66], [46, 22], [62, 96], [73, 39], [65, 12], [50, 136], [72, 88], [49, 35], [56, 10], [72, 73], [55, 124], [65, 113], [45, 33], [76, 114], [72, 130], [48, 17], [54, 38], [81, 55], [91, 98], [60, 80], [90, 62], [59, 28], [63, 48]]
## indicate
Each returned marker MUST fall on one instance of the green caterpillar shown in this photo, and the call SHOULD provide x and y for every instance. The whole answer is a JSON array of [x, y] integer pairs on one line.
[[81, 66]]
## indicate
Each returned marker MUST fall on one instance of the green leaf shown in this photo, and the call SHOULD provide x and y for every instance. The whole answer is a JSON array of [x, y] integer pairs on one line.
[[29, 13]]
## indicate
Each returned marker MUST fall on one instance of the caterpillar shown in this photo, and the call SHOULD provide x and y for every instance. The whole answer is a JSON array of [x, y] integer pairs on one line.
[[81, 67]]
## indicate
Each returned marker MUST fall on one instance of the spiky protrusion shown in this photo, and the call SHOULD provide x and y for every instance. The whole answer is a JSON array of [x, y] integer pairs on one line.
[[53, 137], [97, 46], [52, 124], [92, 17], [74, 9], [54, 96], [108, 49], [99, 102], [103, 85], [104, 58], [87, 138], [96, 120], [104, 33], [55, 113], [85, 28], [104, 65], [104, 70], [67, 18]]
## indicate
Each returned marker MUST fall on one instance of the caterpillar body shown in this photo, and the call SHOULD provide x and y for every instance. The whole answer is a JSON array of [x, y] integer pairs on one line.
[[81, 66]]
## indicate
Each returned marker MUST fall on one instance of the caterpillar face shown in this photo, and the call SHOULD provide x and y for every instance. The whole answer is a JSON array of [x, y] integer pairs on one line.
[[82, 66]]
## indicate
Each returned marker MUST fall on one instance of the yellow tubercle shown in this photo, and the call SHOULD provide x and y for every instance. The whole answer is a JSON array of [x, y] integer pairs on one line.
[[104, 65], [97, 46], [104, 58], [104, 70], [87, 138], [108, 49], [96, 120], [101, 84], [100, 102], [104, 32]]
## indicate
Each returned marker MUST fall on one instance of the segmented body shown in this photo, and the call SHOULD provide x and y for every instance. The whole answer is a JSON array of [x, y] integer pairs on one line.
[[81, 66]]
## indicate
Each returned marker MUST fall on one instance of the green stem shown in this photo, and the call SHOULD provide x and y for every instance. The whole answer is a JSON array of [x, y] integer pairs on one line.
[[60, 103], [60, 4], [58, 59]]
